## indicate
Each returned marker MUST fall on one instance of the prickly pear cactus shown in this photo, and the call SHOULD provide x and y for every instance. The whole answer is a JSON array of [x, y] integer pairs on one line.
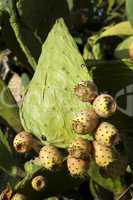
[[50, 102]]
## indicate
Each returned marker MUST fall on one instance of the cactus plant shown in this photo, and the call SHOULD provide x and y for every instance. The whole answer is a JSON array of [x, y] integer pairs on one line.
[[61, 88], [55, 123], [59, 104]]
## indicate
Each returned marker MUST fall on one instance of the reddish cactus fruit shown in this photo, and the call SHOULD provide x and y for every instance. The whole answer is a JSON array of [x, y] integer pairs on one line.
[[85, 121], [86, 91], [80, 148], [77, 167]]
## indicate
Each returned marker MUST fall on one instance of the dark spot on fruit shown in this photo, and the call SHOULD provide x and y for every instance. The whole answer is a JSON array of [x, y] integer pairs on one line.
[[19, 146], [38, 183]]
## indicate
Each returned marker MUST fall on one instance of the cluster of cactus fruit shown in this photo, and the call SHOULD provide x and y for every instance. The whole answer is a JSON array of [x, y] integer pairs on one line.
[[81, 151], [106, 135]]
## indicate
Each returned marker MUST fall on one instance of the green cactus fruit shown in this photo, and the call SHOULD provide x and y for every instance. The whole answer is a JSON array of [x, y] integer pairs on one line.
[[86, 91], [85, 121], [19, 196], [38, 183], [77, 167], [116, 168], [103, 154], [80, 148], [50, 157], [104, 105], [130, 51], [24, 142], [107, 134]]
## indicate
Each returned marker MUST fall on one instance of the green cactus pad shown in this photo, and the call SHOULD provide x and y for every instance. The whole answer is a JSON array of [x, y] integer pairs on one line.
[[50, 103]]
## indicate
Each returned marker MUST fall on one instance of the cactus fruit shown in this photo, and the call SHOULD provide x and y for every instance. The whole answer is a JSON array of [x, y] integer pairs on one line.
[[116, 168], [130, 51], [104, 105], [38, 183], [18, 196], [107, 134], [24, 142], [80, 148], [85, 121], [86, 91], [103, 154], [77, 167], [50, 157]]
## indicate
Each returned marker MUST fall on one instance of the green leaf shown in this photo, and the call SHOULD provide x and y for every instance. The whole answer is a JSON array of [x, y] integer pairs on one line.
[[8, 108], [24, 36], [70, 4], [4, 5], [111, 4], [9, 38], [4, 141], [31, 22], [50, 103], [25, 80], [120, 29], [121, 51], [113, 185], [31, 168], [129, 9], [7, 180], [92, 49], [99, 192], [40, 17], [7, 163]]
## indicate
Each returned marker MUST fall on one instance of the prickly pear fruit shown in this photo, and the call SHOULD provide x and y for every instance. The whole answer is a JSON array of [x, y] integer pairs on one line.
[[86, 91], [103, 154], [107, 134], [38, 183], [77, 167], [18, 196], [130, 51], [116, 168], [104, 105], [50, 157], [23, 142], [80, 148], [85, 121]]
